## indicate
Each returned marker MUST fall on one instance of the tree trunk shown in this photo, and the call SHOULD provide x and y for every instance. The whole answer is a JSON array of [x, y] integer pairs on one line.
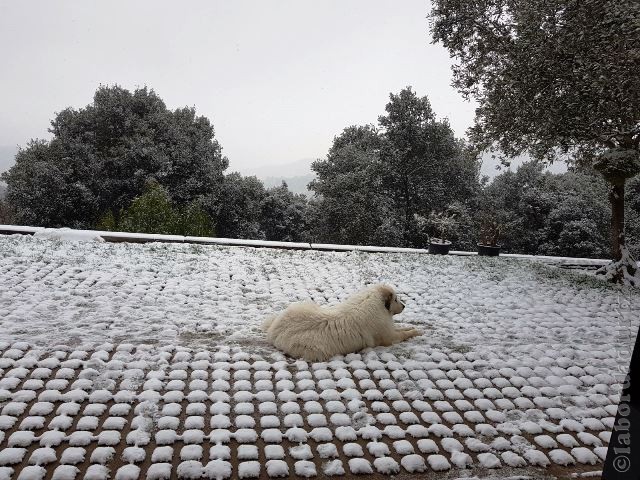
[[616, 197], [617, 165]]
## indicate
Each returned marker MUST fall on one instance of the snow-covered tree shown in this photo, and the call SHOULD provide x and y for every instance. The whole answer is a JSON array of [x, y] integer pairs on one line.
[[47, 188], [425, 167], [558, 79], [376, 179], [283, 214], [238, 213], [350, 205], [549, 214], [102, 155]]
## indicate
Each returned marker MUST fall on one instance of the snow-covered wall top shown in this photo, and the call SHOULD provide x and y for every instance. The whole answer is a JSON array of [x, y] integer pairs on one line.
[[76, 235]]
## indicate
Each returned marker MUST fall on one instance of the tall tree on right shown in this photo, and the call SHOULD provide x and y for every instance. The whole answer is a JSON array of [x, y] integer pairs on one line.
[[556, 79]]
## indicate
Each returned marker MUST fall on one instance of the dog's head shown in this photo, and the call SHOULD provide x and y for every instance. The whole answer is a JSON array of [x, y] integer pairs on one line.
[[391, 301]]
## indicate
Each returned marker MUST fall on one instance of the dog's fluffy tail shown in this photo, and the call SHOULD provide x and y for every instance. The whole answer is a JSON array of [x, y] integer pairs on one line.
[[267, 323]]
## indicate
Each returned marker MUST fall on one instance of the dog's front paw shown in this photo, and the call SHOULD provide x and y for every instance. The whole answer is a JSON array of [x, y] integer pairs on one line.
[[414, 333]]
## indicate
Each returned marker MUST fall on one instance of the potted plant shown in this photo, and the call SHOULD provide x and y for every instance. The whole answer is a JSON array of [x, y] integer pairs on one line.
[[489, 234], [444, 224]]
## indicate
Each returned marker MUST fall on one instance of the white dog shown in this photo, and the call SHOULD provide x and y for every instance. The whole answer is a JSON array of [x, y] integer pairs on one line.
[[317, 333]]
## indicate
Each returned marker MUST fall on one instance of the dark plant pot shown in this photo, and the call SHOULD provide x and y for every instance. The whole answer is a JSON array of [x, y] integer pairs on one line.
[[488, 250], [439, 248]]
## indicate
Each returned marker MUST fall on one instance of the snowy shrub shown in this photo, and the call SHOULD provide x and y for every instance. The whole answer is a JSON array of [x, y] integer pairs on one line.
[[153, 212]]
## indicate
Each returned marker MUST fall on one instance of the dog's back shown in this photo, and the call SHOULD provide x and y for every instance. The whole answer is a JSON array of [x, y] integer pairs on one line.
[[301, 331], [317, 333]]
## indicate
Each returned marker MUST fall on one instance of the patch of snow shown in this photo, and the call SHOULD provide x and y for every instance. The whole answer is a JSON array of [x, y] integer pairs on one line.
[[217, 470], [159, 471], [305, 468], [489, 460], [360, 466], [331, 468], [68, 235], [561, 457], [129, 472], [584, 455], [11, 455], [32, 472]]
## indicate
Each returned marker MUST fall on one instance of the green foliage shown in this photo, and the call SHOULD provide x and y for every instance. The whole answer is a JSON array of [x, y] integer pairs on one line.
[[107, 222], [101, 157], [153, 212], [193, 220]]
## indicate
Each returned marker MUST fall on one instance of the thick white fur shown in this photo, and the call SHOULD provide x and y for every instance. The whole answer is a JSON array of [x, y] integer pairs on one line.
[[306, 330]]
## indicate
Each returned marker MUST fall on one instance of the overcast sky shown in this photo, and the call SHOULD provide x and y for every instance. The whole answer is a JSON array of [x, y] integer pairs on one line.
[[279, 79]]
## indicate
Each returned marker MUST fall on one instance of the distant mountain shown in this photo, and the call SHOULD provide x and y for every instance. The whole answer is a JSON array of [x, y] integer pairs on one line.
[[297, 184], [297, 174], [492, 167], [290, 169]]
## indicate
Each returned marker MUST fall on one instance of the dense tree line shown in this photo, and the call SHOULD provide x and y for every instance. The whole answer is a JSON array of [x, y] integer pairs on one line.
[[127, 163]]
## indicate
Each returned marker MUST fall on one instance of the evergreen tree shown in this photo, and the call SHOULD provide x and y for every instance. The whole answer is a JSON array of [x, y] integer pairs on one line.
[[101, 156], [350, 207], [151, 212], [283, 215], [238, 213], [375, 180], [426, 167]]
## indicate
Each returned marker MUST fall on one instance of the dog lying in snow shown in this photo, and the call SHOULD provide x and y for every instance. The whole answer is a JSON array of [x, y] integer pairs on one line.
[[306, 330]]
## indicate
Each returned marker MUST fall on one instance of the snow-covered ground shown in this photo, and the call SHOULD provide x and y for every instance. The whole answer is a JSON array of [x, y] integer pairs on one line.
[[518, 368]]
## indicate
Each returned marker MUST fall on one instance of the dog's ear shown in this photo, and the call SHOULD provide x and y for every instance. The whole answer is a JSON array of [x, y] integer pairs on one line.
[[387, 301], [387, 295]]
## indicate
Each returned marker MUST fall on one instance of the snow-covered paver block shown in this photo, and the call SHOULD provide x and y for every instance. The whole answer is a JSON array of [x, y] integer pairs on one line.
[[182, 426], [175, 416]]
